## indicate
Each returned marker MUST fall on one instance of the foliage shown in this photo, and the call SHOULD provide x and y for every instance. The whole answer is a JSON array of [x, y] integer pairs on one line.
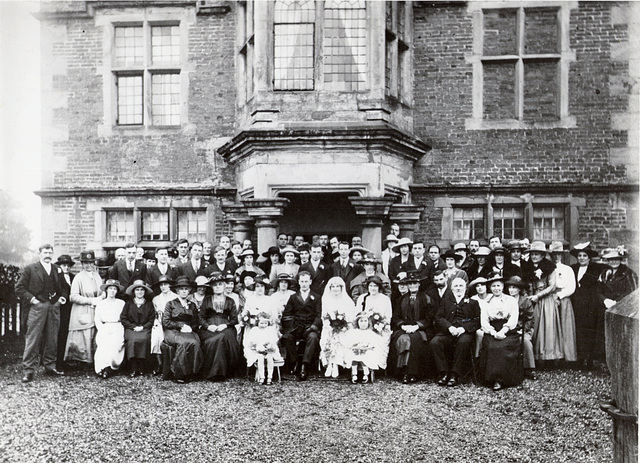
[[14, 234]]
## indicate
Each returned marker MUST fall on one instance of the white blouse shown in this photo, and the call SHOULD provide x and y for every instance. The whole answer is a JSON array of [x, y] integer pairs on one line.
[[565, 281], [498, 308]]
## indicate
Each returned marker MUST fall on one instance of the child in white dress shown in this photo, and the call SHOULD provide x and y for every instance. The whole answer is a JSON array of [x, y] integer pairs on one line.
[[362, 341], [261, 347]]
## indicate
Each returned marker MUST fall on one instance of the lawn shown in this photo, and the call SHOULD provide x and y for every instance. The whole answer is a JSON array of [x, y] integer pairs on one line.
[[84, 418]]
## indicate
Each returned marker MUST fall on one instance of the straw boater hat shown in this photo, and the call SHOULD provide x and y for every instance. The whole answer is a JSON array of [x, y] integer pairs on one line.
[[111, 282], [584, 247], [557, 247], [65, 259], [163, 279], [289, 248], [515, 280], [183, 282], [389, 238], [87, 256], [483, 251], [452, 254], [139, 284], [362, 250], [460, 247], [538, 246], [402, 242], [246, 252], [478, 281]]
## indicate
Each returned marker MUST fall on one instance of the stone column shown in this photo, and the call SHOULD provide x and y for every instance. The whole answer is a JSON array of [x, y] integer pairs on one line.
[[241, 223], [266, 212], [372, 213], [407, 217]]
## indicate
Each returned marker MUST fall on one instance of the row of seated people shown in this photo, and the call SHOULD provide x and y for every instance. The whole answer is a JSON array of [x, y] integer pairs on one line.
[[208, 339]]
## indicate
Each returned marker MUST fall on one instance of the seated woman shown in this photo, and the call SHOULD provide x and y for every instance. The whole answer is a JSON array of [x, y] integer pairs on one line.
[[516, 286], [412, 325], [137, 318], [378, 306], [500, 360], [110, 336], [180, 320], [338, 312], [202, 291], [478, 292], [217, 318], [159, 303]]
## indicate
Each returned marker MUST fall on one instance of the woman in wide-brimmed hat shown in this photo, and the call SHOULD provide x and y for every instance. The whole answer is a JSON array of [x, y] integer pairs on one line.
[[587, 306], [159, 303], [137, 318], [217, 318], [203, 289], [452, 271], [285, 287], [289, 254], [357, 286], [248, 264], [542, 278], [269, 258], [85, 294], [480, 266], [180, 322], [565, 287], [110, 332]]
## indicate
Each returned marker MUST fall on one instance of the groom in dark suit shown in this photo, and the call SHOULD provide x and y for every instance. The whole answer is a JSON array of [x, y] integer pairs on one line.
[[128, 270], [41, 291]]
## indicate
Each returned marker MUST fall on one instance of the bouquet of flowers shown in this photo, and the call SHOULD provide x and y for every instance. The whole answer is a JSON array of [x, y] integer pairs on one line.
[[264, 348], [249, 318], [379, 323], [337, 320], [361, 348]]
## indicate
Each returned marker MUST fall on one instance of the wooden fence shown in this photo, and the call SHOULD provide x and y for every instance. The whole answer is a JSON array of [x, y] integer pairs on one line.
[[9, 306]]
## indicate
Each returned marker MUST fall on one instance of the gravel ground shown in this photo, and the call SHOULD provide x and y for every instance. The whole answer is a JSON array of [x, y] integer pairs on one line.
[[84, 418]]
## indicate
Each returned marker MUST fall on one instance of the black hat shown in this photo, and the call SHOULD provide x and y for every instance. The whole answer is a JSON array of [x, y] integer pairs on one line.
[[102, 262], [515, 280], [65, 259], [87, 256], [451, 253], [150, 255], [271, 251], [584, 247], [183, 282], [304, 247], [163, 279], [412, 277]]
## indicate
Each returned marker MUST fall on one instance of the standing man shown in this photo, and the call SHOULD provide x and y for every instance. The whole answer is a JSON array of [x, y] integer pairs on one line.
[[344, 267], [235, 261], [495, 242], [319, 271], [282, 241], [207, 247], [434, 255], [129, 270], [183, 252], [65, 263], [195, 267], [41, 291], [161, 268], [474, 245], [356, 241], [301, 321], [421, 267], [395, 230]]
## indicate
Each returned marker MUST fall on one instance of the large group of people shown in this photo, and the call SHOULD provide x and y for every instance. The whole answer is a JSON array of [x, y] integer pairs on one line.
[[196, 310]]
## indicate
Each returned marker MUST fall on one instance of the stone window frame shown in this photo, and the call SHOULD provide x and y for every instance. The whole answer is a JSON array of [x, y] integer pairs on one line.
[[150, 206], [146, 17], [566, 57], [527, 201], [398, 51], [245, 37]]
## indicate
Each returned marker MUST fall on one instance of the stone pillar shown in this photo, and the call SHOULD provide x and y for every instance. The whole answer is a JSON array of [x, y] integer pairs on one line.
[[407, 217], [241, 223], [265, 212], [372, 213]]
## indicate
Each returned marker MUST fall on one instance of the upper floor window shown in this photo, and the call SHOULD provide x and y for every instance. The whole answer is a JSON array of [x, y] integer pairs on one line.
[[320, 42], [521, 66], [247, 45], [397, 75], [147, 67]]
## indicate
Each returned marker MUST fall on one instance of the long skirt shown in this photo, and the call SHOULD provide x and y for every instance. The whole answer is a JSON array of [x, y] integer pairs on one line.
[[589, 322], [547, 334], [501, 360], [187, 359], [137, 343], [568, 325], [221, 352], [157, 336], [80, 345], [410, 352], [109, 347]]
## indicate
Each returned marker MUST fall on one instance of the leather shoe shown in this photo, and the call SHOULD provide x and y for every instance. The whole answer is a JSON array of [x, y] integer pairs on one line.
[[303, 373], [453, 381], [27, 378], [54, 372], [405, 379], [531, 374], [412, 379], [497, 387], [443, 380]]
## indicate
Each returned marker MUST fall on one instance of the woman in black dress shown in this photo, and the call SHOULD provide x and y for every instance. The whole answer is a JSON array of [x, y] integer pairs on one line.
[[217, 319], [137, 318]]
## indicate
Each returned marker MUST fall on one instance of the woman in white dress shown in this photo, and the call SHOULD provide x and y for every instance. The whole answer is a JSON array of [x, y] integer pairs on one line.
[[379, 308], [159, 303], [565, 287], [338, 315], [283, 291], [85, 294], [110, 332]]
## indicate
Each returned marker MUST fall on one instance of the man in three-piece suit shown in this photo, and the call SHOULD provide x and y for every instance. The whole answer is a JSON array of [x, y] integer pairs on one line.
[[345, 267], [41, 291], [128, 270], [196, 266], [320, 272], [301, 321]]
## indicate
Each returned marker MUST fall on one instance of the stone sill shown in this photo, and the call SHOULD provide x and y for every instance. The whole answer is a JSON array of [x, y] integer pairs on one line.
[[512, 124]]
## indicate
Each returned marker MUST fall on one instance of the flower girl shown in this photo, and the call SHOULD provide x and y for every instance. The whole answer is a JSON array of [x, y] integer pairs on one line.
[[362, 341], [261, 346]]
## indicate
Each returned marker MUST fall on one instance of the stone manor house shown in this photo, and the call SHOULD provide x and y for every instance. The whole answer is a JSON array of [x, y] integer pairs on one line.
[[193, 119]]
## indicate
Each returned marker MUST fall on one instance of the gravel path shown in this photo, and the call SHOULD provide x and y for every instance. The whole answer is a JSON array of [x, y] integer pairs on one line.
[[83, 418]]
